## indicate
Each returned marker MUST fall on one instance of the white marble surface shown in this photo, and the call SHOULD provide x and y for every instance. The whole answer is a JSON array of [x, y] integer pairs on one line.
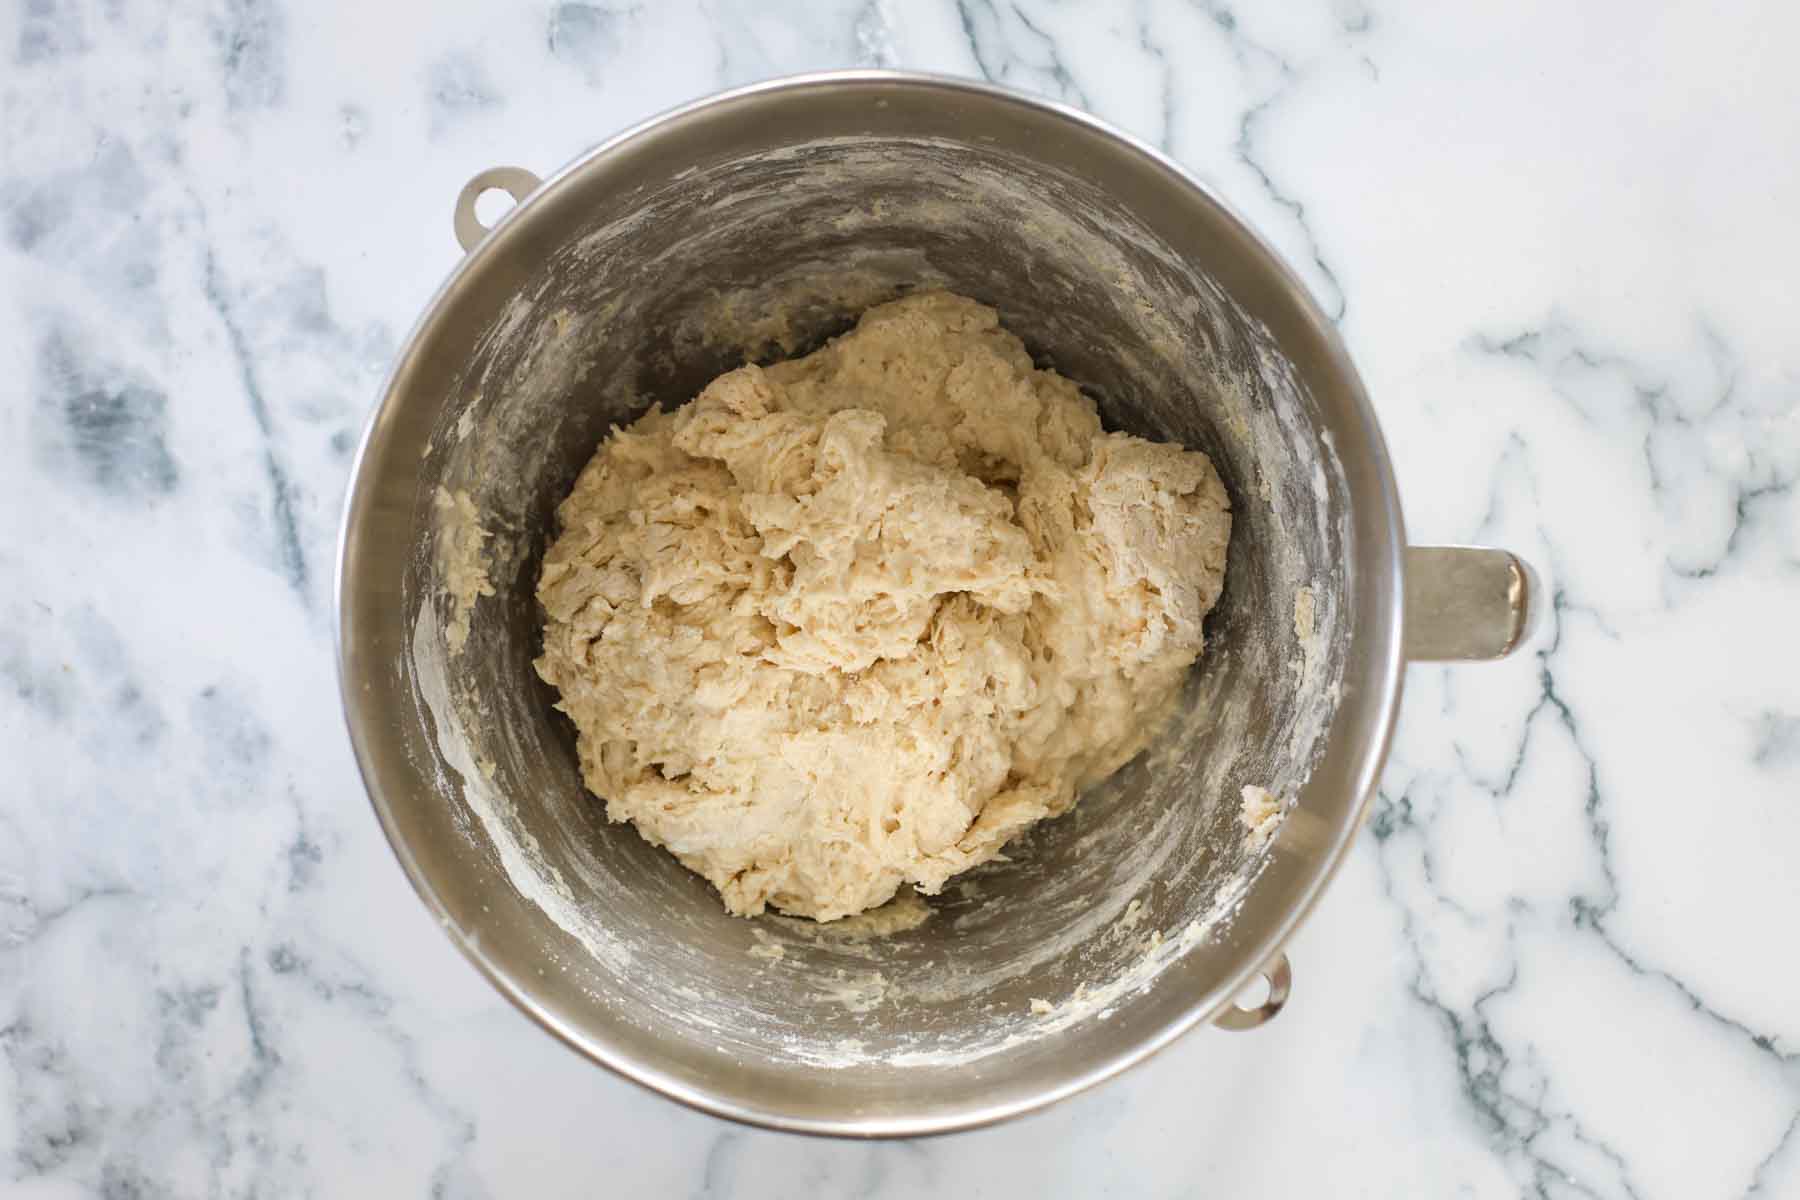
[[1560, 240]]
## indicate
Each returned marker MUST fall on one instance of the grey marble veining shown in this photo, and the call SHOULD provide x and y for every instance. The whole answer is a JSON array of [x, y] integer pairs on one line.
[[1559, 240]]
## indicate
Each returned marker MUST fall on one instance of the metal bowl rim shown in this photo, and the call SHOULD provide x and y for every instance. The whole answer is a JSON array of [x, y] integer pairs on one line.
[[1387, 670]]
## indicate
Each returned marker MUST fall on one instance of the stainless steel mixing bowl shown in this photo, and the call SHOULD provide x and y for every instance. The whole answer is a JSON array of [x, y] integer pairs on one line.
[[758, 223]]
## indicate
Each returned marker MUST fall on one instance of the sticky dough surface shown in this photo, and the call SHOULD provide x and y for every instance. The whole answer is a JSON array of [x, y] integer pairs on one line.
[[857, 619]]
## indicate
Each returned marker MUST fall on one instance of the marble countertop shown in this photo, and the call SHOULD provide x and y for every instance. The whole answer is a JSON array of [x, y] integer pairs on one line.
[[1560, 241]]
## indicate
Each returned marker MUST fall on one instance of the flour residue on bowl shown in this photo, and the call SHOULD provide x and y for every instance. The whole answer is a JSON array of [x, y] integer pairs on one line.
[[520, 854], [462, 564], [1305, 606], [1260, 810], [766, 947], [1146, 872], [858, 993]]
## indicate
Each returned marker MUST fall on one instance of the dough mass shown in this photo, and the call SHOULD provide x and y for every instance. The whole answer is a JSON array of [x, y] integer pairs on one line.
[[857, 619]]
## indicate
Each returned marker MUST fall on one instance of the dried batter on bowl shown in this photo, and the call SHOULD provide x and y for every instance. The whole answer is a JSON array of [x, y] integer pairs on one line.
[[857, 619]]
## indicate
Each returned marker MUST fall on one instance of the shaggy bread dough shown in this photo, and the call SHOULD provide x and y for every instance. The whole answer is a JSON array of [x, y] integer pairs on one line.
[[856, 619]]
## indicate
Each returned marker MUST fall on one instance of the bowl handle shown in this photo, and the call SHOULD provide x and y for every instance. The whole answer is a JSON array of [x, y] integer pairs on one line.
[[1281, 982], [1467, 603], [516, 182]]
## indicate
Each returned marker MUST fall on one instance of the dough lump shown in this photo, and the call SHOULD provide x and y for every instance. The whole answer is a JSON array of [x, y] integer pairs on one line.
[[856, 619]]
